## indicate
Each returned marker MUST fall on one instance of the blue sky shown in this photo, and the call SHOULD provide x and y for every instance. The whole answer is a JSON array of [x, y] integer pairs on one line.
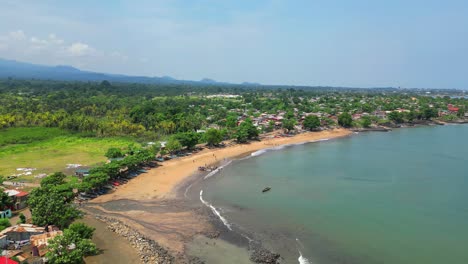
[[355, 43]]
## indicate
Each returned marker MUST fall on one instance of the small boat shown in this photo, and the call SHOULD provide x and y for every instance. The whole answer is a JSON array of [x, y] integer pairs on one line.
[[266, 189]]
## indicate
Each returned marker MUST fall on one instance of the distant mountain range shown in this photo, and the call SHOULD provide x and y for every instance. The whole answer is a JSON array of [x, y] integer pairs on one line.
[[23, 70]]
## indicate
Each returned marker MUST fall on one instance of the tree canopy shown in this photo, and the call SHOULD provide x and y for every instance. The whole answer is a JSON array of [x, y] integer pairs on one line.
[[311, 122], [50, 207], [72, 246], [345, 120], [213, 136]]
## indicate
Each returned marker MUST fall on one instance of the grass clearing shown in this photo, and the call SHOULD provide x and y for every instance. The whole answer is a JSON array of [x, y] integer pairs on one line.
[[50, 150]]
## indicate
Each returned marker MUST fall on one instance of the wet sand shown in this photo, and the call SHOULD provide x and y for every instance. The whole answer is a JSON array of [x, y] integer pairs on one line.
[[154, 202], [115, 249]]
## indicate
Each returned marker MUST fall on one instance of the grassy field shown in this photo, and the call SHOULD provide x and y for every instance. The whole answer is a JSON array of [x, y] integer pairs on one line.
[[50, 150]]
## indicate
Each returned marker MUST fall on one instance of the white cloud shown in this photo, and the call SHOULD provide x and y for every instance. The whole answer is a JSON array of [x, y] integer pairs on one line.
[[17, 35], [53, 39], [52, 49], [79, 49], [37, 41]]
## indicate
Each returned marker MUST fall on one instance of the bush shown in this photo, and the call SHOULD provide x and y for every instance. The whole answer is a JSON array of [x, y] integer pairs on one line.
[[213, 136], [345, 120], [22, 218], [113, 153], [311, 122], [4, 223]]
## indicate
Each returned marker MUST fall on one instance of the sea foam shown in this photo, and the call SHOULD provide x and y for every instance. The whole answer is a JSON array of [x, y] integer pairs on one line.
[[225, 222], [302, 259], [263, 151], [217, 170]]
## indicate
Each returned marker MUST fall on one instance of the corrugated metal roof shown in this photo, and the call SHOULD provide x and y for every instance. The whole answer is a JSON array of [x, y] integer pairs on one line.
[[22, 228]]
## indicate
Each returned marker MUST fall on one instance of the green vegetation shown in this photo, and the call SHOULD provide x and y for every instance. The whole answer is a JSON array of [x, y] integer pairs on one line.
[[49, 206], [246, 131], [113, 153], [48, 124], [188, 139], [213, 137], [345, 120], [82, 230], [288, 124], [311, 122], [4, 223], [72, 246], [53, 152], [22, 218], [173, 145], [366, 121], [5, 201], [24, 135], [100, 176]]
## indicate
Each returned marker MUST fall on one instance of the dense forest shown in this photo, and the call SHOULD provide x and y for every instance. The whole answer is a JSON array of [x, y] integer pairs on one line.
[[155, 111]]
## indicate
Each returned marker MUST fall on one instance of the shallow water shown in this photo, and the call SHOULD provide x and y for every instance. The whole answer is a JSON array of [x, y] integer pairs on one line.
[[217, 251], [397, 197]]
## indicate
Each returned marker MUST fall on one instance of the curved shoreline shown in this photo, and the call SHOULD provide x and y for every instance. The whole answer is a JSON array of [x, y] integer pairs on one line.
[[162, 181], [160, 203]]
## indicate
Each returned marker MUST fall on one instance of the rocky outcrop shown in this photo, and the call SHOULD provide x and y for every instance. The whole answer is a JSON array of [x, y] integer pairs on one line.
[[264, 256], [148, 249]]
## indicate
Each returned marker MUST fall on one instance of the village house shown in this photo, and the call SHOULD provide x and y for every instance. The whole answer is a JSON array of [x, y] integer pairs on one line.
[[356, 116], [452, 109], [19, 199], [6, 214], [40, 242], [380, 114], [443, 113], [20, 234]]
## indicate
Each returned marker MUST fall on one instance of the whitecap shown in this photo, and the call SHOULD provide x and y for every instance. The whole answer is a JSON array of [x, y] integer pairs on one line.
[[217, 170], [302, 259], [225, 222], [263, 151], [258, 152]]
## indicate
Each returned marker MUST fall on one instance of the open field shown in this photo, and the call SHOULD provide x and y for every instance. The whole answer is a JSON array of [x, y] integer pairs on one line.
[[50, 149]]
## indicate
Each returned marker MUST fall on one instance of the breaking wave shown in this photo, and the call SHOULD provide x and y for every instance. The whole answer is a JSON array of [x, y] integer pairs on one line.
[[263, 151], [217, 170], [301, 259], [225, 222]]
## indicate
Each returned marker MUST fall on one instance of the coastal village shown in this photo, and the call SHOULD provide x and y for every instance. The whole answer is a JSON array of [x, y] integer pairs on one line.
[[215, 128]]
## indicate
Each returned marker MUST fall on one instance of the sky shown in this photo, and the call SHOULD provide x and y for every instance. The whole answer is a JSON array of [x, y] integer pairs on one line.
[[358, 43]]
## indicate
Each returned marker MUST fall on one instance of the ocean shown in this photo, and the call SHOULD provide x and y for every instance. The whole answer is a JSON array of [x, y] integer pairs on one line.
[[396, 197]]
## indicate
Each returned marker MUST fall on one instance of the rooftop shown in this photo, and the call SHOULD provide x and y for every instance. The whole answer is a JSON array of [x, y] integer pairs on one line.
[[22, 228], [16, 193]]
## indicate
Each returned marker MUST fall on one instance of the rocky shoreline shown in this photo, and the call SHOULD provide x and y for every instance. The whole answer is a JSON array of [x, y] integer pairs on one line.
[[148, 250]]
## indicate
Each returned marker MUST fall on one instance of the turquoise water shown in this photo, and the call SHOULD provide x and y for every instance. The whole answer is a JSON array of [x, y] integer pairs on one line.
[[398, 197]]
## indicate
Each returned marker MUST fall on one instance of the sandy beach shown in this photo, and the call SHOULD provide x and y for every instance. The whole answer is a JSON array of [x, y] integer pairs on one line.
[[151, 205], [160, 182]]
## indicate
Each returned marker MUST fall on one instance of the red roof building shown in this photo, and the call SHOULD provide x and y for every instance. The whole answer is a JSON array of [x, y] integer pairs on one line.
[[452, 109], [19, 198], [7, 261]]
